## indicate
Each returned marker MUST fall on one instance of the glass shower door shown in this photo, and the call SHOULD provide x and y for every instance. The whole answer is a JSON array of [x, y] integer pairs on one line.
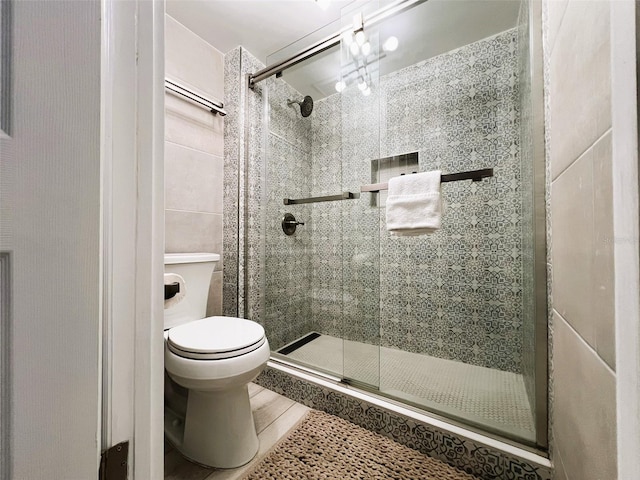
[[360, 99], [321, 281]]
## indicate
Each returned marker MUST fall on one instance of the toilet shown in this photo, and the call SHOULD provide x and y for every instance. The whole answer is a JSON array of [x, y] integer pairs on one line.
[[208, 365]]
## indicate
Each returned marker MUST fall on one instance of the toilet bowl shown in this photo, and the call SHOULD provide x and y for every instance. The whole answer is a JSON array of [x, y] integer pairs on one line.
[[209, 363]]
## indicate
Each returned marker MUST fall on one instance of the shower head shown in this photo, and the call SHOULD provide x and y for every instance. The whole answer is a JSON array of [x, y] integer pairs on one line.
[[306, 105]]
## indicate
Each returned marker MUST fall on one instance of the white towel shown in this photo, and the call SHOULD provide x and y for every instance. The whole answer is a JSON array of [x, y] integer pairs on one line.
[[170, 278], [413, 204]]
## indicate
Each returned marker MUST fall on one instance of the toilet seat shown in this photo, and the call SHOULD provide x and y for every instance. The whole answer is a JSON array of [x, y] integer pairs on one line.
[[215, 338]]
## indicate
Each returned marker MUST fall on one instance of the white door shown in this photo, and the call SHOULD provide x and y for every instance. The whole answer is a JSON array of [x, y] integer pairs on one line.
[[54, 221], [77, 378]]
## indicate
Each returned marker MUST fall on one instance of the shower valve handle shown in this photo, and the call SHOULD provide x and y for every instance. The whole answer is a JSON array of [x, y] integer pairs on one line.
[[289, 224]]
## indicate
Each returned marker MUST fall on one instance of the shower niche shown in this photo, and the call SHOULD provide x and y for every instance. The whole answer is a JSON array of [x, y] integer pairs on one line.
[[383, 169], [450, 323]]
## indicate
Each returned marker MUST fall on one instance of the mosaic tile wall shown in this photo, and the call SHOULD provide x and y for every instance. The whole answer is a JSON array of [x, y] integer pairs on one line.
[[484, 462], [456, 294]]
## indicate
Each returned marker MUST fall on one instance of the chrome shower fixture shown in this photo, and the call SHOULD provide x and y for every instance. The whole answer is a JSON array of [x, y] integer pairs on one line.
[[306, 105]]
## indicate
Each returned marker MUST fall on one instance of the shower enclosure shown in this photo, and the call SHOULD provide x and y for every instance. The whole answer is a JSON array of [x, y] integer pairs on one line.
[[452, 323]]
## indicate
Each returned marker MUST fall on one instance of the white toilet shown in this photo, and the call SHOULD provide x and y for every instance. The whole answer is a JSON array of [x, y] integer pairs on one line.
[[209, 362]]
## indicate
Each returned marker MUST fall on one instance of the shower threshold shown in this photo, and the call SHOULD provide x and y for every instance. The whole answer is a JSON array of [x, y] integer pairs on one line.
[[491, 399]]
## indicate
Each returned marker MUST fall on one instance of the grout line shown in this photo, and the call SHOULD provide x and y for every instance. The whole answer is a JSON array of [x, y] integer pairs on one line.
[[195, 34], [191, 211], [219, 157], [588, 150], [257, 391], [276, 418], [593, 350], [557, 32]]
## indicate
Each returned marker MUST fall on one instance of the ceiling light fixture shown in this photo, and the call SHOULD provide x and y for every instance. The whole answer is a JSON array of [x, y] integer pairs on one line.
[[390, 44], [323, 4], [340, 86]]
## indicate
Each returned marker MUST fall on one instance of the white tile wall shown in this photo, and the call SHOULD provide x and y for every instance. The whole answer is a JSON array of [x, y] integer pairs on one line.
[[578, 69], [583, 247], [194, 151], [580, 89], [585, 399], [192, 62], [193, 180]]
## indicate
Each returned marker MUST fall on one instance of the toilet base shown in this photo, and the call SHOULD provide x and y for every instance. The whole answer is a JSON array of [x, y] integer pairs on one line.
[[219, 429]]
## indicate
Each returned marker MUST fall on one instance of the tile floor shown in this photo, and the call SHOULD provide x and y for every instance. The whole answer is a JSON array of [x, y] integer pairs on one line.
[[274, 416]]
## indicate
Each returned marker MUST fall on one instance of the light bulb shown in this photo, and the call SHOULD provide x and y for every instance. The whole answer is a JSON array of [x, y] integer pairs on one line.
[[323, 4], [355, 49], [363, 86], [366, 92], [360, 38], [340, 86], [347, 38], [390, 44], [366, 48]]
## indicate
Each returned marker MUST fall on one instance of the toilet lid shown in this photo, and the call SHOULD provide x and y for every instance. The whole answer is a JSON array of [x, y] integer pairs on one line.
[[215, 338]]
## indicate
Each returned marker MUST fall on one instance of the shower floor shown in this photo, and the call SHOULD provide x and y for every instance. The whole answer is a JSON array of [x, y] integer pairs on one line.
[[485, 396]]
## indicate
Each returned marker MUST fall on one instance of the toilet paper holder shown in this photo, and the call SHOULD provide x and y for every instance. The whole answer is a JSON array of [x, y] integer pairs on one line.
[[171, 290]]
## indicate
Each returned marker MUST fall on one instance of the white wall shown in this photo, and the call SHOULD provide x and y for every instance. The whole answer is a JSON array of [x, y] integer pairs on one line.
[[56, 242]]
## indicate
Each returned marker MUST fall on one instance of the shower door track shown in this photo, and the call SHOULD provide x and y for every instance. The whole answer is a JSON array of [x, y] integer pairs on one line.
[[331, 41]]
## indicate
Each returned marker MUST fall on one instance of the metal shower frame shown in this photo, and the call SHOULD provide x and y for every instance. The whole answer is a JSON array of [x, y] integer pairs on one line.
[[376, 17]]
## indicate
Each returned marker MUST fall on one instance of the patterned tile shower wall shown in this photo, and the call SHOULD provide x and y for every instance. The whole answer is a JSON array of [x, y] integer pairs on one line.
[[346, 250], [272, 283], [287, 303], [456, 294], [233, 140], [243, 172]]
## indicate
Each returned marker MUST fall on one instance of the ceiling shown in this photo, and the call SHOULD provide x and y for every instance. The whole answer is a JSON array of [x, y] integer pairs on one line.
[[273, 30], [262, 27]]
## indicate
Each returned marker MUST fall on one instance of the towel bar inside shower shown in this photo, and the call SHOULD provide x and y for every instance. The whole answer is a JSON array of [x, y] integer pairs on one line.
[[473, 175], [326, 198]]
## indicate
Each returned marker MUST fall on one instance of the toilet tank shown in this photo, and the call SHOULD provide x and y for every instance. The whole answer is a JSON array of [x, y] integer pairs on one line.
[[196, 270]]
